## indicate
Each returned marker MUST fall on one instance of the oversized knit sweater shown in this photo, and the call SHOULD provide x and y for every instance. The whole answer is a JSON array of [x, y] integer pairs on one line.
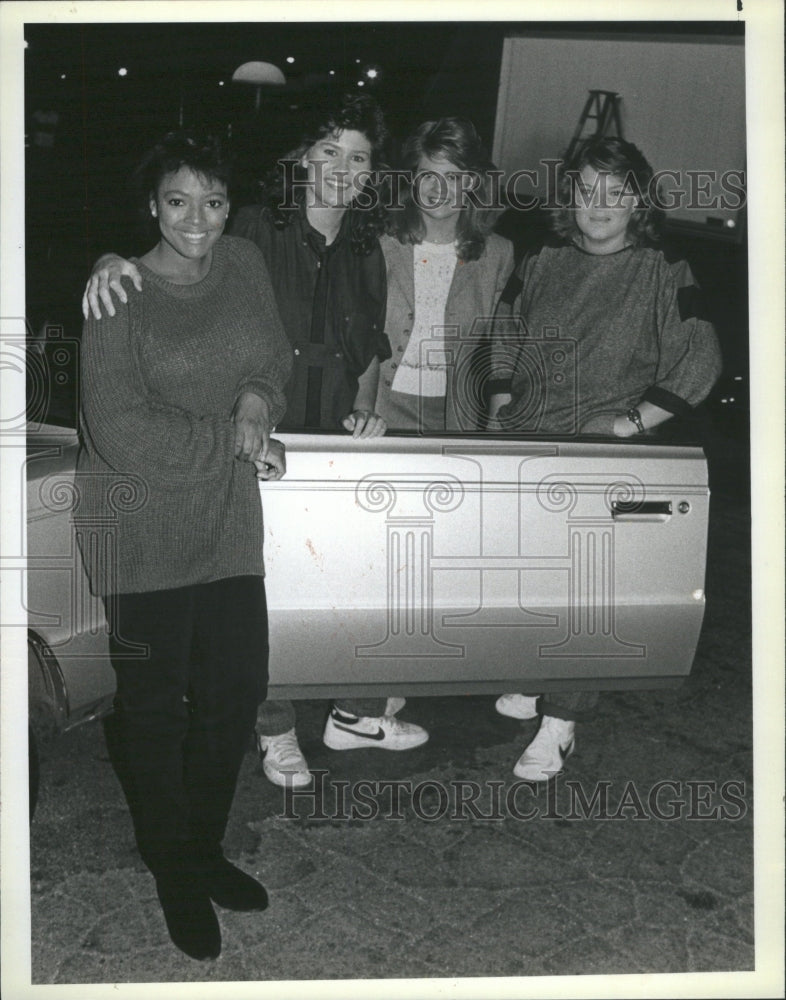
[[161, 500], [598, 334]]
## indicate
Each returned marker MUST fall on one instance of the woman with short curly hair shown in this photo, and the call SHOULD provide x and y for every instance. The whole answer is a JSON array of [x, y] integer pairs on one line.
[[180, 389]]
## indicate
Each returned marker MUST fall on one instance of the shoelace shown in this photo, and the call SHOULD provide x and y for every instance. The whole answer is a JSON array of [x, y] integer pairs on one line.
[[393, 725], [287, 750]]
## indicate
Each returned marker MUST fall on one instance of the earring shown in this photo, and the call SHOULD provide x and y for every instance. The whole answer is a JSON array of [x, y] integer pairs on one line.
[[154, 213]]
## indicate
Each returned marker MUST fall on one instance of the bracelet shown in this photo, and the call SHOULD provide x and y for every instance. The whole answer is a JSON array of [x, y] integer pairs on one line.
[[635, 418]]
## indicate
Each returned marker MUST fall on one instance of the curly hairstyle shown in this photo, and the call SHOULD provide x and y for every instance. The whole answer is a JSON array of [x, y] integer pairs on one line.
[[614, 156], [457, 141], [202, 153], [284, 188]]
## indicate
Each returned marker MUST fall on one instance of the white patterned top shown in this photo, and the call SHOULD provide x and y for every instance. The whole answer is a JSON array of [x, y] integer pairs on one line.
[[423, 369]]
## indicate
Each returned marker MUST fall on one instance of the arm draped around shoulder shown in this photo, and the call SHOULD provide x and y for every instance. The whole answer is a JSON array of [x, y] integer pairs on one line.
[[130, 429], [689, 360]]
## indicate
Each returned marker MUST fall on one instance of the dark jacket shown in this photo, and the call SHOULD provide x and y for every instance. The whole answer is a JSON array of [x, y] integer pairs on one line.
[[332, 305]]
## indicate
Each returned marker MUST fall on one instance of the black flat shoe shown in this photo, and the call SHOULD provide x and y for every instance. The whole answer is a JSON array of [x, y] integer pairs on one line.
[[230, 887], [190, 918]]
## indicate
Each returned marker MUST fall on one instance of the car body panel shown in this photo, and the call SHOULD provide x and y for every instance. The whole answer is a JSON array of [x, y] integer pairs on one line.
[[478, 563], [67, 628], [428, 565]]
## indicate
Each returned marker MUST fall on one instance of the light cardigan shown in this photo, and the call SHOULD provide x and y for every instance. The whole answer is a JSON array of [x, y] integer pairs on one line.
[[474, 293], [161, 500]]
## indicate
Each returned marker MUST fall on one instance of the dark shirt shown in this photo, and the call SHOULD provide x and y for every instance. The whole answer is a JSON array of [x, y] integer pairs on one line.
[[332, 304]]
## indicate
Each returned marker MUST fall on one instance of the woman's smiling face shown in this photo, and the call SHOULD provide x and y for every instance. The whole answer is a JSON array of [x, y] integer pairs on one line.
[[191, 211], [438, 188], [338, 167], [604, 208]]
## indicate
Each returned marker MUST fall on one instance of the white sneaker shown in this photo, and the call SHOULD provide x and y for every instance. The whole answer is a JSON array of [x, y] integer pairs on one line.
[[518, 706], [348, 732], [283, 761], [395, 705], [547, 753]]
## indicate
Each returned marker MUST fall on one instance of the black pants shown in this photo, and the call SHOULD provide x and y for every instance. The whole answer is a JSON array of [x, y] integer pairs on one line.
[[185, 711]]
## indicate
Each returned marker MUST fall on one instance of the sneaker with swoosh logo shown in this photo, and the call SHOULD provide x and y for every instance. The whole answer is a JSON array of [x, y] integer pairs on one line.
[[545, 756], [282, 760], [351, 732]]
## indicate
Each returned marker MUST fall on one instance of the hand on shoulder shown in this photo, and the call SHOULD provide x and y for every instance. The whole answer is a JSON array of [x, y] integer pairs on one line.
[[108, 272]]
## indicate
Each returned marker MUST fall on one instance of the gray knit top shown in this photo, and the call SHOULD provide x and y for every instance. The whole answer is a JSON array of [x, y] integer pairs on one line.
[[161, 500], [597, 334]]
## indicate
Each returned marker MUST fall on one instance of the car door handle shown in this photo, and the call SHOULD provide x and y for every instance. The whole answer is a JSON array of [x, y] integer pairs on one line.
[[641, 510]]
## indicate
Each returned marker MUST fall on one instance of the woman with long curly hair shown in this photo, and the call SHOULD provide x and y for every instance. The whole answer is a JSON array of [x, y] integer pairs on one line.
[[318, 230]]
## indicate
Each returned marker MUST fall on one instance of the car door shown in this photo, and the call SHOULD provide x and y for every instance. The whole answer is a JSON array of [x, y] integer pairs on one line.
[[479, 564]]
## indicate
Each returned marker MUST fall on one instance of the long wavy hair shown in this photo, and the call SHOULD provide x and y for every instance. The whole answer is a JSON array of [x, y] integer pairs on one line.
[[457, 141], [284, 190], [621, 159]]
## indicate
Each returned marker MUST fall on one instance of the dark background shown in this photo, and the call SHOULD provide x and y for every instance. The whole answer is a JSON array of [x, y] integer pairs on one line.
[[174, 76], [86, 127]]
